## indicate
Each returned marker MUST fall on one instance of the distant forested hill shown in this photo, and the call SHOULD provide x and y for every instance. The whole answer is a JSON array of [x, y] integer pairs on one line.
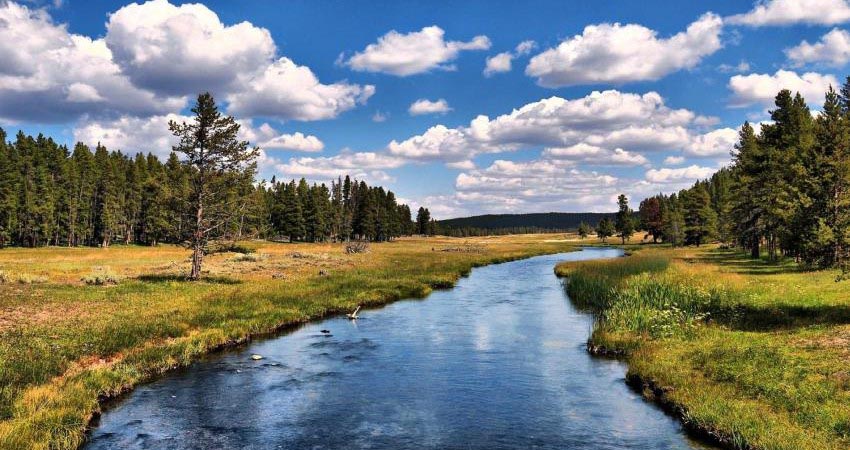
[[519, 223]]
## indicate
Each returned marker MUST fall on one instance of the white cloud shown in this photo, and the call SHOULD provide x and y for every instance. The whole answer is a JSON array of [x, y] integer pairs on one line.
[[131, 134], [715, 143], [741, 67], [412, 53], [51, 75], [537, 185], [674, 160], [615, 53], [297, 141], [379, 117], [286, 90], [686, 175], [152, 56], [178, 50], [595, 156], [502, 62], [762, 88], [151, 135], [609, 119], [525, 47], [425, 106], [370, 166], [833, 48], [789, 12], [498, 63]]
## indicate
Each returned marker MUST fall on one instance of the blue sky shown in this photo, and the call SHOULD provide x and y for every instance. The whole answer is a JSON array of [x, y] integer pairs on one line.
[[580, 100]]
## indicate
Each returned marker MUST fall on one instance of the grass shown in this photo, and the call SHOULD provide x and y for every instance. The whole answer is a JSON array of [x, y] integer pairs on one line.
[[750, 353], [67, 344]]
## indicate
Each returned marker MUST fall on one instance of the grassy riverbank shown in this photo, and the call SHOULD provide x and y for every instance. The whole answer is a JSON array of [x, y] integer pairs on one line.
[[65, 345], [751, 353]]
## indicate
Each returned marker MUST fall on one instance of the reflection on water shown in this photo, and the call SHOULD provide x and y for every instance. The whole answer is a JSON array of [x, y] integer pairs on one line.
[[497, 362]]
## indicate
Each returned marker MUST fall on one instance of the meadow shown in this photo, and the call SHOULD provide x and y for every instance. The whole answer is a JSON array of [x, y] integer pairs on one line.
[[750, 354], [82, 325]]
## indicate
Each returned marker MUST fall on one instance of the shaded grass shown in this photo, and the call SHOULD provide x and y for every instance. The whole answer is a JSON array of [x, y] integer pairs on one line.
[[750, 353], [72, 346]]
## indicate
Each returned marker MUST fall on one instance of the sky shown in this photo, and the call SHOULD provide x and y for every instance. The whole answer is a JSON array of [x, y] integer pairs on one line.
[[469, 107]]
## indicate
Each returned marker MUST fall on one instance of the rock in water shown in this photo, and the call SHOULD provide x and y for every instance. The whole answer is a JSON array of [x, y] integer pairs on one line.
[[256, 357]]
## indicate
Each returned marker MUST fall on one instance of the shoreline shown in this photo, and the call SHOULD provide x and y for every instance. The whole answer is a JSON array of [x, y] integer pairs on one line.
[[105, 401]]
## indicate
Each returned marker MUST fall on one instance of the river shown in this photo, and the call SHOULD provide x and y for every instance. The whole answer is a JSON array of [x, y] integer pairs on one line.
[[498, 362]]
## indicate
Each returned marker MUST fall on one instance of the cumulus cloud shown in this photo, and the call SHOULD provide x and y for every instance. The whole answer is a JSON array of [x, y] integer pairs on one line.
[[51, 75], [152, 57], [674, 160], [131, 134], [741, 67], [762, 88], [833, 48], [715, 143], [370, 166], [502, 62], [608, 120], [593, 155], [412, 53], [175, 49], [286, 90], [498, 63], [789, 12], [517, 186], [615, 53], [685, 175], [151, 135], [297, 141], [425, 106]]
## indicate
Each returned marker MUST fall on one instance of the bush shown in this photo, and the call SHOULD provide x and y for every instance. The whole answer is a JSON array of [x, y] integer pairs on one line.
[[28, 278], [101, 276], [356, 247], [248, 257]]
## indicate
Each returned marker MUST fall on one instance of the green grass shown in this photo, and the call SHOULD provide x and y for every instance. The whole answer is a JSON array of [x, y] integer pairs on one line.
[[65, 345], [752, 353]]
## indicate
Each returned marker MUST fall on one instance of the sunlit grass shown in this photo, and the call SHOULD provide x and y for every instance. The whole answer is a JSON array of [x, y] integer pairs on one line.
[[65, 344], [754, 353]]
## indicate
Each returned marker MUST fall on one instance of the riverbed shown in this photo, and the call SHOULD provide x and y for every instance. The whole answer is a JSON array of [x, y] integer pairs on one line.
[[498, 362]]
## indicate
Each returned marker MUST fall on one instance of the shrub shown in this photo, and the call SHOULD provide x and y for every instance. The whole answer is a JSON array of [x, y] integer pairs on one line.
[[101, 276], [28, 278], [248, 257], [356, 247]]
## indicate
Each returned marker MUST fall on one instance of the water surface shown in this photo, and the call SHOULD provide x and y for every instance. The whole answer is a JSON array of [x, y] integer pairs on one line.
[[498, 362]]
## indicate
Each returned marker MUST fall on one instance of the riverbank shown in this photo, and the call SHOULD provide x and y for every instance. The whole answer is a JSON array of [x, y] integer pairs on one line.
[[65, 347], [752, 354]]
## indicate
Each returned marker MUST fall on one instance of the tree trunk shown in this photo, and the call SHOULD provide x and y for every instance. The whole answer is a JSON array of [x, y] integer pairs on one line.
[[197, 243], [755, 251]]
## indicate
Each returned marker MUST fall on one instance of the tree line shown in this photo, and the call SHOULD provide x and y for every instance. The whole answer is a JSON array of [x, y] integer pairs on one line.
[[53, 195], [786, 193]]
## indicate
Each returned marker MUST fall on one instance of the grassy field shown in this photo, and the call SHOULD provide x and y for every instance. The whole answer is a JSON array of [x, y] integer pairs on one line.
[[78, 325], [753, 354]]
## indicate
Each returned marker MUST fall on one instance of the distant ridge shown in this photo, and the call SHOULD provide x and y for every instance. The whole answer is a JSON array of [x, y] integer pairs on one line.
[[551, 221]]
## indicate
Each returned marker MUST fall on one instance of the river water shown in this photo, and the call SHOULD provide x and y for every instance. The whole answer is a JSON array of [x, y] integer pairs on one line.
[[498, 362]]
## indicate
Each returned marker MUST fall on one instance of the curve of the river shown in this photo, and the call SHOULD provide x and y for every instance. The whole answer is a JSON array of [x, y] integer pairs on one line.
[[498, 362]]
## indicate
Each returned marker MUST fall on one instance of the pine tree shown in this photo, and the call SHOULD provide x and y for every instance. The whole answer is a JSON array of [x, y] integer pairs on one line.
[[700, 218], [215, 158], [583, 230], [624, 222], [650, 217], [605, 229]]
